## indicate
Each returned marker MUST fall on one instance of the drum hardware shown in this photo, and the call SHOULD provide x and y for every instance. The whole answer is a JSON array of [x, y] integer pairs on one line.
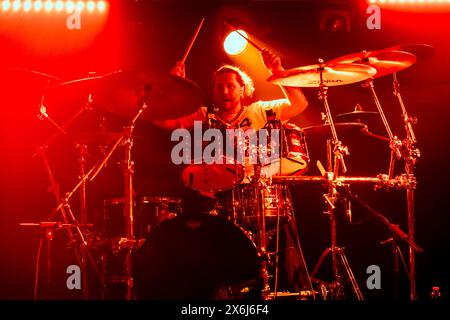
[[397, 233], [326, 72], [411, 155], [81, 251], [338, 257], [128, 171], [391, 61]]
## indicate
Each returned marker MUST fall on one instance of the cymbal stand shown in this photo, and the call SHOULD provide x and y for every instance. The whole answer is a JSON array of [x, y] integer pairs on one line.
[[128, 170], [395, 143], [337, 253], [82, 161], [339, 149], [411, 154], [64, 208]]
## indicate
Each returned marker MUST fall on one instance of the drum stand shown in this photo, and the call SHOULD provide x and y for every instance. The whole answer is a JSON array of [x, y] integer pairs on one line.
[[129, 243], [406, 149], [48, 227], [337, 253], [262, 239]]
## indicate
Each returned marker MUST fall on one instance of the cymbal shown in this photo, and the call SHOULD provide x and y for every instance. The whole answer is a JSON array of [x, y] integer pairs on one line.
[[333, 74], [324, 129], [124, 92], [384, 61], [421, 51], [30, 76], [358, 115]]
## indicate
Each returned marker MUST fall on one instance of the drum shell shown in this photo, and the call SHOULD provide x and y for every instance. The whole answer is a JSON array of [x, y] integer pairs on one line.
[[194, 257]]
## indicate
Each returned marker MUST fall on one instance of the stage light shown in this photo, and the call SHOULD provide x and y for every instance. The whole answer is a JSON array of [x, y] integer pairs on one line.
[[37, 5], [59, 5], [16, 5], [27, 5], [101, 6], [70, 6], [6, 5], [235, 44], [80, 5], [48, 5], [91, 6]]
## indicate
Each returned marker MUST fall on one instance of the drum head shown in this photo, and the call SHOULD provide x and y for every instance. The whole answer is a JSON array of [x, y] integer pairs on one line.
[[213, 177], [194, 257]]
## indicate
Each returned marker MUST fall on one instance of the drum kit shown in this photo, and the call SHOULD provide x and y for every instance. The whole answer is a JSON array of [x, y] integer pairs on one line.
[[165, 253]]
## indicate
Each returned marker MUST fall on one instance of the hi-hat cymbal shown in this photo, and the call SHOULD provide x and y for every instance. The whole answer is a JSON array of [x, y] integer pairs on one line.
[[325, 130], [384, 61], [333, 74], [124, 92]]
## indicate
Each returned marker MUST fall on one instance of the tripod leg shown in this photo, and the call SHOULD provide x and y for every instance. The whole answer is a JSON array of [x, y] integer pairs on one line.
[[349, 273]]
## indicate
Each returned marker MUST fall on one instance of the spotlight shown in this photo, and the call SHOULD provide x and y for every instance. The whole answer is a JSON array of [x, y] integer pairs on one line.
[[59, 5], [37, 5], [91, 6], [101, 6], [6, 5], [235, 44], [16, 5], [48, 5], [27, 5]]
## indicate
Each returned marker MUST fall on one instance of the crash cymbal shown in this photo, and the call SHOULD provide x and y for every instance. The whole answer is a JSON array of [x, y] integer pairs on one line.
[[324, 129], [384, 61], [421, 51], [123, 93], [333, 74]]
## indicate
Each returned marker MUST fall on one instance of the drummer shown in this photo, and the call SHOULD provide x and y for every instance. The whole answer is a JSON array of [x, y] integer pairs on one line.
[[232, 90], [232, 87]]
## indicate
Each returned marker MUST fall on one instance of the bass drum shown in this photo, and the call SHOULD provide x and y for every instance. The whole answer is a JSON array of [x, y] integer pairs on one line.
[[197, 256]]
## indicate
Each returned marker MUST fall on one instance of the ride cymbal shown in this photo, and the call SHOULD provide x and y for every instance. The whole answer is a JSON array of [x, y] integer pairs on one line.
[[332, 74]]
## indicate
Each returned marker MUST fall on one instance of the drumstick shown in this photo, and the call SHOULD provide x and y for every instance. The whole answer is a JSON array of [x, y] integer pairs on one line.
[[192, 41], [243, 36]]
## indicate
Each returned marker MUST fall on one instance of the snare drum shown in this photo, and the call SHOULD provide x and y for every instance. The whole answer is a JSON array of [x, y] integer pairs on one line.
[[213, 177], [241, 205], [294, 158]]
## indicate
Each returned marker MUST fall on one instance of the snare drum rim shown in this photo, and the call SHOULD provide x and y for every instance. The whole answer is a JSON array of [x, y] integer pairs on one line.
[[241, 176]]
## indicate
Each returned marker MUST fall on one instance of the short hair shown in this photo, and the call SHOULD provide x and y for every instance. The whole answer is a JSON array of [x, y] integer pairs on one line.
[[243, 78]]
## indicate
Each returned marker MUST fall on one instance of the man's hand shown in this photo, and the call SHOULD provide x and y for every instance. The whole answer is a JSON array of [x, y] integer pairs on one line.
[[179, 70], [271, 61]]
